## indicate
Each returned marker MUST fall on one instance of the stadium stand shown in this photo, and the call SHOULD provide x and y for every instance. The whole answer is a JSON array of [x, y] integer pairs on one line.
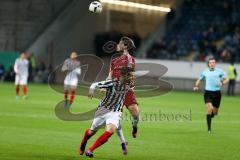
[[22, 21], [205, 28]]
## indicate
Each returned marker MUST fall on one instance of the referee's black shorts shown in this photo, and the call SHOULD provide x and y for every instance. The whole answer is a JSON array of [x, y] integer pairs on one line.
[[214, 97]]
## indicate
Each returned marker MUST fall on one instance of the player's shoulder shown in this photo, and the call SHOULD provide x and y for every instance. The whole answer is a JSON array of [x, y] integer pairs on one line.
[[116, 57], [205, 71], [219, 70], [130, 58], [67, 60]]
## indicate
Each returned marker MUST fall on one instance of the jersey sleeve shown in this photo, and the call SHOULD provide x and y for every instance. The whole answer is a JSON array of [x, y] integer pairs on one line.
[[133, 63], [103, 84], [78, 70], [202, 76], [65, 66], [16, 66], [222, 74]]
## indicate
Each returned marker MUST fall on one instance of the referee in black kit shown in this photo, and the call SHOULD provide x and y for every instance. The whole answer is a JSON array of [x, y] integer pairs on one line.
[[215, 78]]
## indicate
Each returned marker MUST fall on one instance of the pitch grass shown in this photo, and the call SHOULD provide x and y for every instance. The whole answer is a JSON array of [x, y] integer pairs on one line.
[[29, 129]]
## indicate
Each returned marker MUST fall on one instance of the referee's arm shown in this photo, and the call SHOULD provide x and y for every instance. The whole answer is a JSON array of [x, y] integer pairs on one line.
[[224, 81], [197, 83]]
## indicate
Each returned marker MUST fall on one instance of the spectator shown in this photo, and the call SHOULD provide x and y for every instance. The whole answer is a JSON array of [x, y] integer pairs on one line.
[[232, 74], [2, 72], [202, 29], [32, 66], [10, 75]]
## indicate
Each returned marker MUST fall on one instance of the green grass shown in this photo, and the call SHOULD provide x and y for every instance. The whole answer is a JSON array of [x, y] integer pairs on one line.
[[29, 129]]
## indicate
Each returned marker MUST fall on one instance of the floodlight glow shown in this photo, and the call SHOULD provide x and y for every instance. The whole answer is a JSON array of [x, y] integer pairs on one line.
[[137, 5]]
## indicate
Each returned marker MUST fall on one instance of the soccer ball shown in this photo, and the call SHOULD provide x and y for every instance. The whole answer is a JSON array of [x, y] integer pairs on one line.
[[95, 7]]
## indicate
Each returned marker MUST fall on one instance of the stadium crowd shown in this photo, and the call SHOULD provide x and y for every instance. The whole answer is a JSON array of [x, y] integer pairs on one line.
[[205, 28]]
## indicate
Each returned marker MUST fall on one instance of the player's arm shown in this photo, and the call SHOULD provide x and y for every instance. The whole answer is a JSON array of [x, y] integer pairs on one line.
[[65, 66], [16, 67], [225, 80], [102, 85], [198, 82], [78, 71], [109, 75]]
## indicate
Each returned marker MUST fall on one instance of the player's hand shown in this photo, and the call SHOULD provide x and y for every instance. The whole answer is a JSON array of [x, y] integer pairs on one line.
[[221, 84], [195, 88], [103, 90]]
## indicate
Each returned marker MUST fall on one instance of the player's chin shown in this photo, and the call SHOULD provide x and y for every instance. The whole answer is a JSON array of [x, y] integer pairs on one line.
[[118, 50]]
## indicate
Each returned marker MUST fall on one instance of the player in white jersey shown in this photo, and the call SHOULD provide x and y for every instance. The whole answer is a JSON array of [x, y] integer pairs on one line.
[[109, 110], [72, 67], [21, 71]]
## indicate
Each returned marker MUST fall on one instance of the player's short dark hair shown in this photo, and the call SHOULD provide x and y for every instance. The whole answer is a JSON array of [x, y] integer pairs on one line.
[[211, 58]]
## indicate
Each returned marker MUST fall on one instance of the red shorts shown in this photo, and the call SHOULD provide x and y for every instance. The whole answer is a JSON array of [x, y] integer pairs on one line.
[[130, 98]]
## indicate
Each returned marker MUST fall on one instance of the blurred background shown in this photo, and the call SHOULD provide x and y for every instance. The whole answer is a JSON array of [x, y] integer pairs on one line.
[[181, 36]]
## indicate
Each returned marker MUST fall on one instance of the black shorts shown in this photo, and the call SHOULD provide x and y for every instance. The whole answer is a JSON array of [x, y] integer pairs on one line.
[[214, 97]]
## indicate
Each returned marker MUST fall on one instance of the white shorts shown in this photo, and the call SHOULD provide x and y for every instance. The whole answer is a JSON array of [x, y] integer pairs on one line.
[[71, 82], [69, 87], [21, 80], [108, 118]]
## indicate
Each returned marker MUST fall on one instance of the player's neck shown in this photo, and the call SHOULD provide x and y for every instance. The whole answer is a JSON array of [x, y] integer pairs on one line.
[[125, 52]]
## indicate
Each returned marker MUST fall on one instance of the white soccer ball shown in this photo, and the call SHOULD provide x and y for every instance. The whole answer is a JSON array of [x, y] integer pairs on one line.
[[95, 7]]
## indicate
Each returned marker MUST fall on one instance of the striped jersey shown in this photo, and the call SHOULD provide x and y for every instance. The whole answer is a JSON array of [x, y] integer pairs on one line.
[[73, 71], [114, 97]]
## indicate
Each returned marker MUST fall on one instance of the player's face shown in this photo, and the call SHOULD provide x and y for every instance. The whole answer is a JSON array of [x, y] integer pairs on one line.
[[23, 56], [212, 64], [73, 55], [121, 46]]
